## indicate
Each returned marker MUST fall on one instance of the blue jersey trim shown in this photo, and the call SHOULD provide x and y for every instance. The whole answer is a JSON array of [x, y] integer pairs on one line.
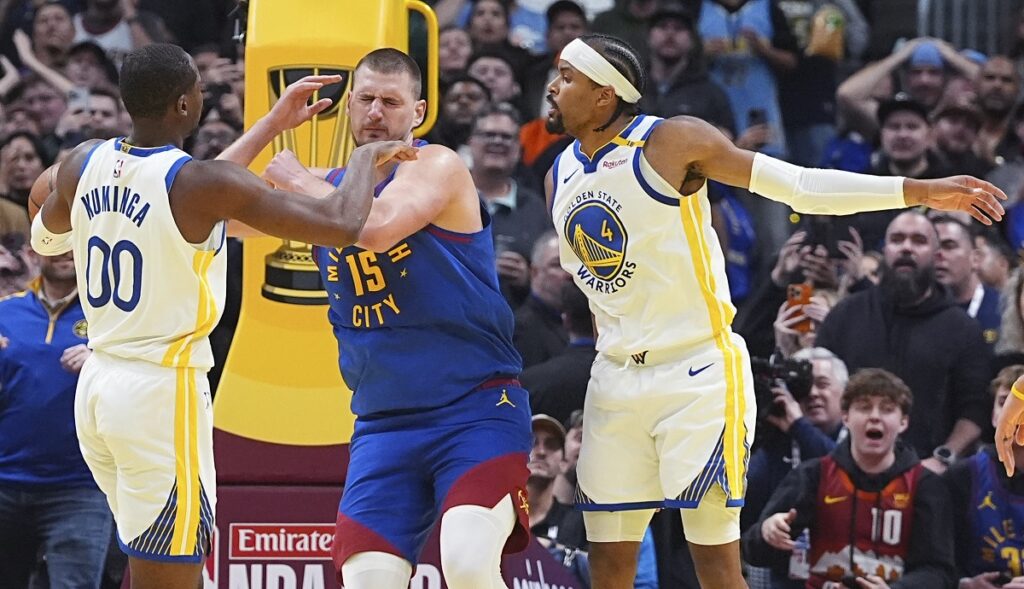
[[554, 183], [223, 237], [173, 172], [185, 558], [651, 129], [120, 145], [620, 506], [590, 165], [334, 176], [88, 157], [650, 190], [632, 125]]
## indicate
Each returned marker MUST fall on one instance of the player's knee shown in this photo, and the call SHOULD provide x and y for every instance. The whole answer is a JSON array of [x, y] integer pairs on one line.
[[376, 570], [712, 523], [472, 538]]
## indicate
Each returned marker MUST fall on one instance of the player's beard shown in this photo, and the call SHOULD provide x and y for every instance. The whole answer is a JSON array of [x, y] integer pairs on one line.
[[555, 125]]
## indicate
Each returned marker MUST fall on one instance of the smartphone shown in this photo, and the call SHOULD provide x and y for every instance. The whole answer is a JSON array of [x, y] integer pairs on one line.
[[78, 99], [756, 116], [1002, 579], [800, 294], [828, 232]]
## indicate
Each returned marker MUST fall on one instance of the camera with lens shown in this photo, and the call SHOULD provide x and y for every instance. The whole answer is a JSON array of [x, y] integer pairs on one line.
[[796, 375]]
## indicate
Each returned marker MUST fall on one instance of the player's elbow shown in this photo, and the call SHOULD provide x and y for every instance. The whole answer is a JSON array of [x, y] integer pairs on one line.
[[344, 231], [376, 240]]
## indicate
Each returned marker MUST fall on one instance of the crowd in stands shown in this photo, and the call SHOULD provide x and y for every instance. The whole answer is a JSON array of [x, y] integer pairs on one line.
[[884, 341]]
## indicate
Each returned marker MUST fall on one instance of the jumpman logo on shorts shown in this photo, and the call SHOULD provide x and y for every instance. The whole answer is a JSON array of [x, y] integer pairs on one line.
[[987, 502], [504, 400]]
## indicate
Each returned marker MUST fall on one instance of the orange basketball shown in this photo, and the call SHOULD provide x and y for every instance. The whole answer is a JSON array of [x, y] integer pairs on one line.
[[41, 189]]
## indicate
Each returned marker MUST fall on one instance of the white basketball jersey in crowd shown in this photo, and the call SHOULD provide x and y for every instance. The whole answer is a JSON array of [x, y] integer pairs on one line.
[[645, 255], [146, 292]]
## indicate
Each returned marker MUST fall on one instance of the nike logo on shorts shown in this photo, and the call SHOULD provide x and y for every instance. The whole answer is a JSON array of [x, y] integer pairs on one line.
[[699, 370]]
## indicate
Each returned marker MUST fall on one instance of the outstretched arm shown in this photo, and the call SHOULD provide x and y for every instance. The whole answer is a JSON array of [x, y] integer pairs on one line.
[[220, 190], [435, 189], [708, 153]]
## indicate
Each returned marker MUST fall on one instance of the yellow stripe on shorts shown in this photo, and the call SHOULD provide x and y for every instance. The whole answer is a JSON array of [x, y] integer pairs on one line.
[[721, 316]]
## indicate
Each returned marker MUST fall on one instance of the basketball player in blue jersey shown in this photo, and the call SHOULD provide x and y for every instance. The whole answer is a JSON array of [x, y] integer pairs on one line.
[[425, 340], [146, 224], [670, 411]]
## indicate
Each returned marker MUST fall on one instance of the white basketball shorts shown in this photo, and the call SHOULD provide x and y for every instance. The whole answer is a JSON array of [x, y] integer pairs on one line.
[[660, 429], [146, 432]]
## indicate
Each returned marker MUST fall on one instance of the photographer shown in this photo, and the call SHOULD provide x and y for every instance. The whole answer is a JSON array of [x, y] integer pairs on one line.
[[877, 518], [805, 424]]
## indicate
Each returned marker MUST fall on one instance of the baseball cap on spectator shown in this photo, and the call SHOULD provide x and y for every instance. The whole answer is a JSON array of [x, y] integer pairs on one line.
[[964, 108], [546, 422], [672, 10], [974, 55], [926, 55], [900, 103]]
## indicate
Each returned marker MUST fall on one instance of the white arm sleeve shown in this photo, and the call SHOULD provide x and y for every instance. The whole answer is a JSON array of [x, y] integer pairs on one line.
[[47, 243], [824, 192]]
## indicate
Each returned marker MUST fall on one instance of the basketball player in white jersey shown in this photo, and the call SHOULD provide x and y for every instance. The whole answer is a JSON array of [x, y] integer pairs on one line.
[[147, 227], [670, 409]]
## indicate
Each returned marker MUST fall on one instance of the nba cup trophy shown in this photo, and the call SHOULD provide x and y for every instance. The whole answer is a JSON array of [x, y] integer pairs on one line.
[[281, 413]]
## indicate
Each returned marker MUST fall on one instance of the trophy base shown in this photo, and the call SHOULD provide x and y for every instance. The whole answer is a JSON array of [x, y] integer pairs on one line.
[[292, 276]]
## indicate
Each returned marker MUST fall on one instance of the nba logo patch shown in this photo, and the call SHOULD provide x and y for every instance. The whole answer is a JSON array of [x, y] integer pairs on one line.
[[117, 168]]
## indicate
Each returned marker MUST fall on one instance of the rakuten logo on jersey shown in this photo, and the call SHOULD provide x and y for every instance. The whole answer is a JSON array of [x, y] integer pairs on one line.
[[281, 541]]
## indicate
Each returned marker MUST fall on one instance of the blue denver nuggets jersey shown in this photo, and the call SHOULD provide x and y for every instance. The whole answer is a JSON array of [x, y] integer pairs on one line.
[[998, 519], [422, 324]]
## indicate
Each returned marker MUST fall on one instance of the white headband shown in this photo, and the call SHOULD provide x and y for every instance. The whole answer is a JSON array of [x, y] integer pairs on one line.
[[592, 64]]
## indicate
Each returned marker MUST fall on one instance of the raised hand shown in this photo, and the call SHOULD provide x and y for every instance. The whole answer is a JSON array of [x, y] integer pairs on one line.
[[23, 44], [293, 108], [1010, 427], [978, 198], [776, 530], [74, 358]]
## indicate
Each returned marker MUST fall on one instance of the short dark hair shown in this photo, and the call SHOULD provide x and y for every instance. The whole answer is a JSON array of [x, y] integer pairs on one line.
[[493, 53], [105, 63], [109, 93], [153, 77], [464, 78], [1006, 377], [388, 60], [502, 109], [561, 6], [944, 219], [627, 61], [996, 241], [576, 308], [876, 382]]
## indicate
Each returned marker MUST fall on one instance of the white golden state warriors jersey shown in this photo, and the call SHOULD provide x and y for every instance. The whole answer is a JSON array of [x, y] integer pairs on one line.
[[645, 255], [147, 293]]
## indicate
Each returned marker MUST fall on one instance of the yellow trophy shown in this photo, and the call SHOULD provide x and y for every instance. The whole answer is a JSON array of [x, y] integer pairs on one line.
[[281, 393]]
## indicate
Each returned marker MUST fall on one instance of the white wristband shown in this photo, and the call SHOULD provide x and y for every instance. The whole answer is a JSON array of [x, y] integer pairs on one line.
[[47, 243], [824, 192]]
